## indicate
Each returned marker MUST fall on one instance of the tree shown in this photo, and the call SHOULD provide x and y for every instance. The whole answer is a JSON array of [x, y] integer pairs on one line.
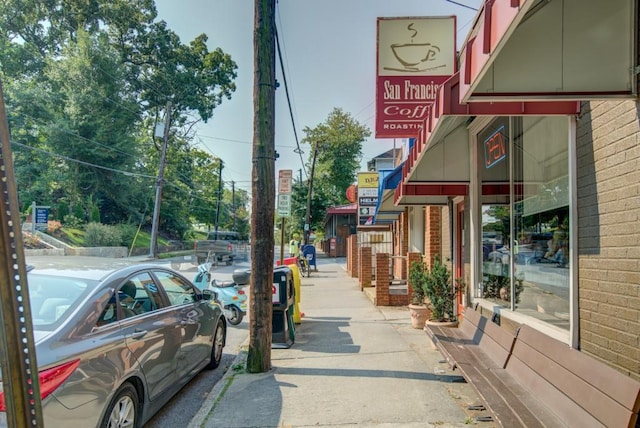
[[87, 82], [339, 142]]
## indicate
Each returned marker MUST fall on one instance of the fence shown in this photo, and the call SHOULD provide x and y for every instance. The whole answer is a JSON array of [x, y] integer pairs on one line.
[[379, 241]]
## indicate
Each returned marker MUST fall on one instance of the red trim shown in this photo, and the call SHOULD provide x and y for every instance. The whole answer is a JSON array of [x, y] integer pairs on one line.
[[486, 41]]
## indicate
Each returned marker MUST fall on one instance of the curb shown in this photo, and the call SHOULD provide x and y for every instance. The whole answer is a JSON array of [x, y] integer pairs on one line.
[[209, 404]]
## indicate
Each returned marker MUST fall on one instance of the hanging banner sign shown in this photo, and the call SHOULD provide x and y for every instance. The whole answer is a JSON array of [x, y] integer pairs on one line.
[[414, 57]]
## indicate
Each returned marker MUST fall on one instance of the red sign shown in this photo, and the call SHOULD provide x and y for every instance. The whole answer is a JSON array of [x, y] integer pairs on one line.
[[351, 193], [415, 56], [495, 148], [402, 104]]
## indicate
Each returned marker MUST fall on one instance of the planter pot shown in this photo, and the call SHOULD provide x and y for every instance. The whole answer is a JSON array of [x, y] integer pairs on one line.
[[419, 315]]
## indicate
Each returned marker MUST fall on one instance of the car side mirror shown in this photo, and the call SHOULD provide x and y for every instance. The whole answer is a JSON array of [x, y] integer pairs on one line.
[[208, 295]]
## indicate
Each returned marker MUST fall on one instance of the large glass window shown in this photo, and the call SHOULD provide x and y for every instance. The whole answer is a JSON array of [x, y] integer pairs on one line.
[[525, 224]]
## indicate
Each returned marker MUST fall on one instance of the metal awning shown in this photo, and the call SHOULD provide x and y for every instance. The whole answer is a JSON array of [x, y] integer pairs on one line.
[[544, 50], [439, 161]]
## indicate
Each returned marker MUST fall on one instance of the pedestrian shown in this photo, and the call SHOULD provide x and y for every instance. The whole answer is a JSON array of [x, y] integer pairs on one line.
[[294, 246]]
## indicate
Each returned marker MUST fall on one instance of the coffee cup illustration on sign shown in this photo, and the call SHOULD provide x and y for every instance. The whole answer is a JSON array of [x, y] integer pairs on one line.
[[415, 57]]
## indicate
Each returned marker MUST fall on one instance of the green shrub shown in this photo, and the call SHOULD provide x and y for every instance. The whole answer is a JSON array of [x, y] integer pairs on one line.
[[94, 217], [440, 291], [417, 277], [63, 210], [102, 235], [72, 221], [127, 234]]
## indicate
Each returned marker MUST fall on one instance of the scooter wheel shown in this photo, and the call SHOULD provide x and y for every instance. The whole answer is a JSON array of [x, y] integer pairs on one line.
[[234, 316]]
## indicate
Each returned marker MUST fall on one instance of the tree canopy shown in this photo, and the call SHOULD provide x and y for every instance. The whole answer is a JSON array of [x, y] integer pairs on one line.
[[338, 141], [86, 83]]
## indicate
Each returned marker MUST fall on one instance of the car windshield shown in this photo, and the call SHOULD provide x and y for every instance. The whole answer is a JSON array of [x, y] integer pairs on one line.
[[53, 298]]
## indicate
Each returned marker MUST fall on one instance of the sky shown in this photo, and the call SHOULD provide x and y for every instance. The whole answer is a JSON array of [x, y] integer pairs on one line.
[[329, 55]]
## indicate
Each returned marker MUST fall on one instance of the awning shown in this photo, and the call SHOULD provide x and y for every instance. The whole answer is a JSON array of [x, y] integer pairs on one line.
[[543, 50], [386, 211], [438, 164]]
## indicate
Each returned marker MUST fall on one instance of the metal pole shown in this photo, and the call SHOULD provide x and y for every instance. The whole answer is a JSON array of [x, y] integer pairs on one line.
[[17, 350], [153, 247]]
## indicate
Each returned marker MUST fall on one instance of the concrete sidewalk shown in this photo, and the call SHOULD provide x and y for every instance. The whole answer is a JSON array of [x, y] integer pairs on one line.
[[351, 364]]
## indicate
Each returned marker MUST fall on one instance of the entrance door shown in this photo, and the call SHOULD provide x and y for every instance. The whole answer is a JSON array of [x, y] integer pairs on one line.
[[459, 258]]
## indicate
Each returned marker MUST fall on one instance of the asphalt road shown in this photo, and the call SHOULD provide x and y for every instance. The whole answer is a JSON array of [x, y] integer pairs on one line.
[[186, 403]]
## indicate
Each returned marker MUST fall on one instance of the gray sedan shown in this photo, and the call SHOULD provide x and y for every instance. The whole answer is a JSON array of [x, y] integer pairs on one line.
[[113, 346]]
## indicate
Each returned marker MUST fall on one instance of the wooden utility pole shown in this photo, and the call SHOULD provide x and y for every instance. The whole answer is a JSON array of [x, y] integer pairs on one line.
[[153, 246], [262, 187], [307, 222], [219, 196]]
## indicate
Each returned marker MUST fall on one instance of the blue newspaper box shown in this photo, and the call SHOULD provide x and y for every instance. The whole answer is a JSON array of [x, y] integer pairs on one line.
[[309, 251], [283, 299]]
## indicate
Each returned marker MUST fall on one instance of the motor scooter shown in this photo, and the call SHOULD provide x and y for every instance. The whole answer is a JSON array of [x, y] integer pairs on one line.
[[229, 294], [233, 300]]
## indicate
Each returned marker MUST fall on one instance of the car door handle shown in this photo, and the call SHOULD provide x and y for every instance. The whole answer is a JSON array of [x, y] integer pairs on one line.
[[138, 334]]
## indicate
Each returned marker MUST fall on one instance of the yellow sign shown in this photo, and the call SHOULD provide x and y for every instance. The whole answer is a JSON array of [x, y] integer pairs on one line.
[[367, 180]]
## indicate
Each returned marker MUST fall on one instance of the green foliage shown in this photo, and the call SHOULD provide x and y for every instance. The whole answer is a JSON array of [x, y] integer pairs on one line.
[[72, 221], [102, 235], [440, 291], [417, 277], [127, 234], [499, 287], [85, 84], [62, 210]]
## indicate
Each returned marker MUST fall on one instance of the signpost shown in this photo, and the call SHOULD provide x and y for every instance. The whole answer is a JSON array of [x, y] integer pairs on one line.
[[283, 208]]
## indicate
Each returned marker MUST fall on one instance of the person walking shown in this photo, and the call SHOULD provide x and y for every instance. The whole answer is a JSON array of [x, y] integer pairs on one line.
[[294, 246]]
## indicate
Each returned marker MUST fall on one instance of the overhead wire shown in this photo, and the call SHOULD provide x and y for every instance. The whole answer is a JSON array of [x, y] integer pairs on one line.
[[298, 150]]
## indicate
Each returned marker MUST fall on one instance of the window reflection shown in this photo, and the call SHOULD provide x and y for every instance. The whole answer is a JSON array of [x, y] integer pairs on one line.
[[534, 249]]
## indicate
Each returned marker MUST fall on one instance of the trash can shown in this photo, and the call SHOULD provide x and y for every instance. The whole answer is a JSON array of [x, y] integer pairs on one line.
[[309, 251], [283, 327]]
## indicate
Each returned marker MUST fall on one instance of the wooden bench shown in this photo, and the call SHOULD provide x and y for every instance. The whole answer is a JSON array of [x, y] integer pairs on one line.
[[532, 380]]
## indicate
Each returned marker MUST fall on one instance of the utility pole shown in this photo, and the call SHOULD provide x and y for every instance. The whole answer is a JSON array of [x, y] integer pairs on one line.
[[153, 247], [219, 195], [233, 203], [307, 223], [262, 188]]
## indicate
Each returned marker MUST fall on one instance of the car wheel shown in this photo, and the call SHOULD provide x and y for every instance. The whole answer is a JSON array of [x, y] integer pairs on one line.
[[123, 409], [234, 316], [218, 345]]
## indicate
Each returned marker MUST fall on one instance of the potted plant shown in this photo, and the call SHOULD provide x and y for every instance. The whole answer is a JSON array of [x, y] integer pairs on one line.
[[417, 305], [441, 293]]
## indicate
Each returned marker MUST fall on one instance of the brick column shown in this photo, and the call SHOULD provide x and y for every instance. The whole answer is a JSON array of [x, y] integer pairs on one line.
[[404, 230], [349, 254], [382, 279], [411, 257], [432, 234], [365, 267], [355, 265]]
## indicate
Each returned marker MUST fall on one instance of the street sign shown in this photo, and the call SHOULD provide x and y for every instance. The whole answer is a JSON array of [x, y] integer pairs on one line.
[[285, 179], [284, 205]]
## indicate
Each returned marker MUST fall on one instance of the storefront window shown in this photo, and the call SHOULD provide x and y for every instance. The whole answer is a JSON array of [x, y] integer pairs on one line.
[[523, 163]]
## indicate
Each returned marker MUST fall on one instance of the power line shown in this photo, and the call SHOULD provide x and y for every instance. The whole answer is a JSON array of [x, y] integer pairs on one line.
[[286, 88], [461, 5]]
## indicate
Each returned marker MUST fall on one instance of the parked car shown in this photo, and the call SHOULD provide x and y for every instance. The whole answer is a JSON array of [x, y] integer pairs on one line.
[[121, 342]]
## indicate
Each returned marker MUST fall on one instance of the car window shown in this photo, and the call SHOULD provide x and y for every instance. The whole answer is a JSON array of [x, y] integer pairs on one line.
[[178, 291], [138, 295], [53, 298]]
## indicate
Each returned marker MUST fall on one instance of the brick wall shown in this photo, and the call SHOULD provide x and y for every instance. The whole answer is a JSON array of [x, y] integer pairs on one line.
[[432, 233], [608, 178], [365, 264], [382, 279], [353, 254]]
